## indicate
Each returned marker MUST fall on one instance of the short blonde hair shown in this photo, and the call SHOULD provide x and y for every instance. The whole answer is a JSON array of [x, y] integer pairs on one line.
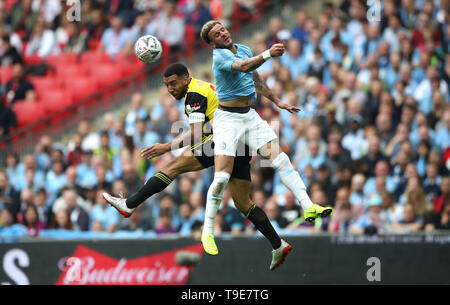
[[206, 28]]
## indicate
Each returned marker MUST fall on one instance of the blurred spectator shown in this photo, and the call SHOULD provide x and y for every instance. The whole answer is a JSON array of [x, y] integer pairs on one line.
[[137, 112], [29, 174], [422, 208], [8, 118], [353, 141], [358, 199], [170, 27], [164, 224], [289, 211], [9, 55], [373, 156], [232, 219], [336, 155], [9, 196], [8, 227], [272, 211], [78, 215], [444, 221], [23, 17], [86, 171], [299, 31], [76, 39], [391, 212], [314, 158], [443, 134], [410, 221], [43, 210], [17, 87], [136, 222], [32, 222], [324, 179], [12, 166], [432, 182], [61, 220], [131, 178], [198, 16], [342, 219], [106, 151], [104, 214], [275, 25], [371, 222], [96, 27], [294, 58], [77, 207], [142, 137], [42, 41], [115, 38], [74, 156], [56, 179], [444, 198], [186, 220], [140, 26], [102, 179]]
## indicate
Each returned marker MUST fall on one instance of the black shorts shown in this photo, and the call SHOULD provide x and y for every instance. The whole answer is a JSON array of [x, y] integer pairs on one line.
[[204, 152]]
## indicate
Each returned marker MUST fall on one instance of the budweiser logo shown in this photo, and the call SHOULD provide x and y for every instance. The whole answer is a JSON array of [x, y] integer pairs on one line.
[[89, 267]]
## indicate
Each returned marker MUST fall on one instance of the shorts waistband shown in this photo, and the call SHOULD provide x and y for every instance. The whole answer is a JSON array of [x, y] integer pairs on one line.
[[235, 109]]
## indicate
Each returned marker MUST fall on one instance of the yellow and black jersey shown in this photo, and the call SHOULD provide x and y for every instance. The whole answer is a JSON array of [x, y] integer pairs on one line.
[[200, 102]]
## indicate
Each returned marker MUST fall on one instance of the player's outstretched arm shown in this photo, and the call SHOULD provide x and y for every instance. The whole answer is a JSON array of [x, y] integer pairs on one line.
[[261, 88], [193, 135], [252, 63]]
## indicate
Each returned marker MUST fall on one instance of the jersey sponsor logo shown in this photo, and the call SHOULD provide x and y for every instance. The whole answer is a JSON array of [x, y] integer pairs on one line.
[[192, 107]]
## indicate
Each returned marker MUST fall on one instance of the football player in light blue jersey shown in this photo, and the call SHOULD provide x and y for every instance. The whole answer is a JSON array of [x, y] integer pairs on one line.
[[237, 83]]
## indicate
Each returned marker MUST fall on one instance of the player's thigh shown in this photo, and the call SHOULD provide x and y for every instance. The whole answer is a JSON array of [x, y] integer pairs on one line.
[[259, 135], [227, 131], [240, 192], [184, 163]]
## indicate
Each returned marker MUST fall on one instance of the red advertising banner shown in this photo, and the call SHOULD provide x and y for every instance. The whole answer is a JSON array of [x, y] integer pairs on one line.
[[89, 267]]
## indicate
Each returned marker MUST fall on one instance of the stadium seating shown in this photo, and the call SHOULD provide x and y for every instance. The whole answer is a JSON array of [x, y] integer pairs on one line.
[[6, 73], [28, 113]]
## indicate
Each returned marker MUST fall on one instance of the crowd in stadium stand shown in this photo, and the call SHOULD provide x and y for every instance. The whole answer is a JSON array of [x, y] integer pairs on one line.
[[372, 138]]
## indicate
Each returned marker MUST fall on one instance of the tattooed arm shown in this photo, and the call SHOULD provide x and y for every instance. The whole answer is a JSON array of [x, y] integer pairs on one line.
[[253, 63], [261, 88]]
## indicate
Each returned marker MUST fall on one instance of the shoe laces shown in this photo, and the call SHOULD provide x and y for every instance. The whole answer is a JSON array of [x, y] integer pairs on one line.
[[121, 194]]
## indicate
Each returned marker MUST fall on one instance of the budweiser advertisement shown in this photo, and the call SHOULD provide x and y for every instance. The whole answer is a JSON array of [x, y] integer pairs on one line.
[[89, 267]]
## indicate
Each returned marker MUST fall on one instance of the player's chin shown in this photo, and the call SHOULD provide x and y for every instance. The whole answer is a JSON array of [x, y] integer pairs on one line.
[[229, 45]]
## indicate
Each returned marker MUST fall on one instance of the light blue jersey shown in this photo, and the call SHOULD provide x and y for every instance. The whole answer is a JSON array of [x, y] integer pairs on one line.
[[231, 84]]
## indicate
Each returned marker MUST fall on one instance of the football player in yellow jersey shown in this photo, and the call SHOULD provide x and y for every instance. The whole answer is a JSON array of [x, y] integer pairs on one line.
[[200, 104]]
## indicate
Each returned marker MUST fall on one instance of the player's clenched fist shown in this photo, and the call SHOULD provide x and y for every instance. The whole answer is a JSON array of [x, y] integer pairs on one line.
[[276, 50]]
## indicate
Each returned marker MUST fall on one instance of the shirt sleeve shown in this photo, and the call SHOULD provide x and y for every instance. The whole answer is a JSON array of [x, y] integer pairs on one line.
[[196, 105], [223, 59]]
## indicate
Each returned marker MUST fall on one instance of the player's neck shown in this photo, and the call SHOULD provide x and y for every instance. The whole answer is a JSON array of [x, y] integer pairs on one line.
[[231, 47]]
